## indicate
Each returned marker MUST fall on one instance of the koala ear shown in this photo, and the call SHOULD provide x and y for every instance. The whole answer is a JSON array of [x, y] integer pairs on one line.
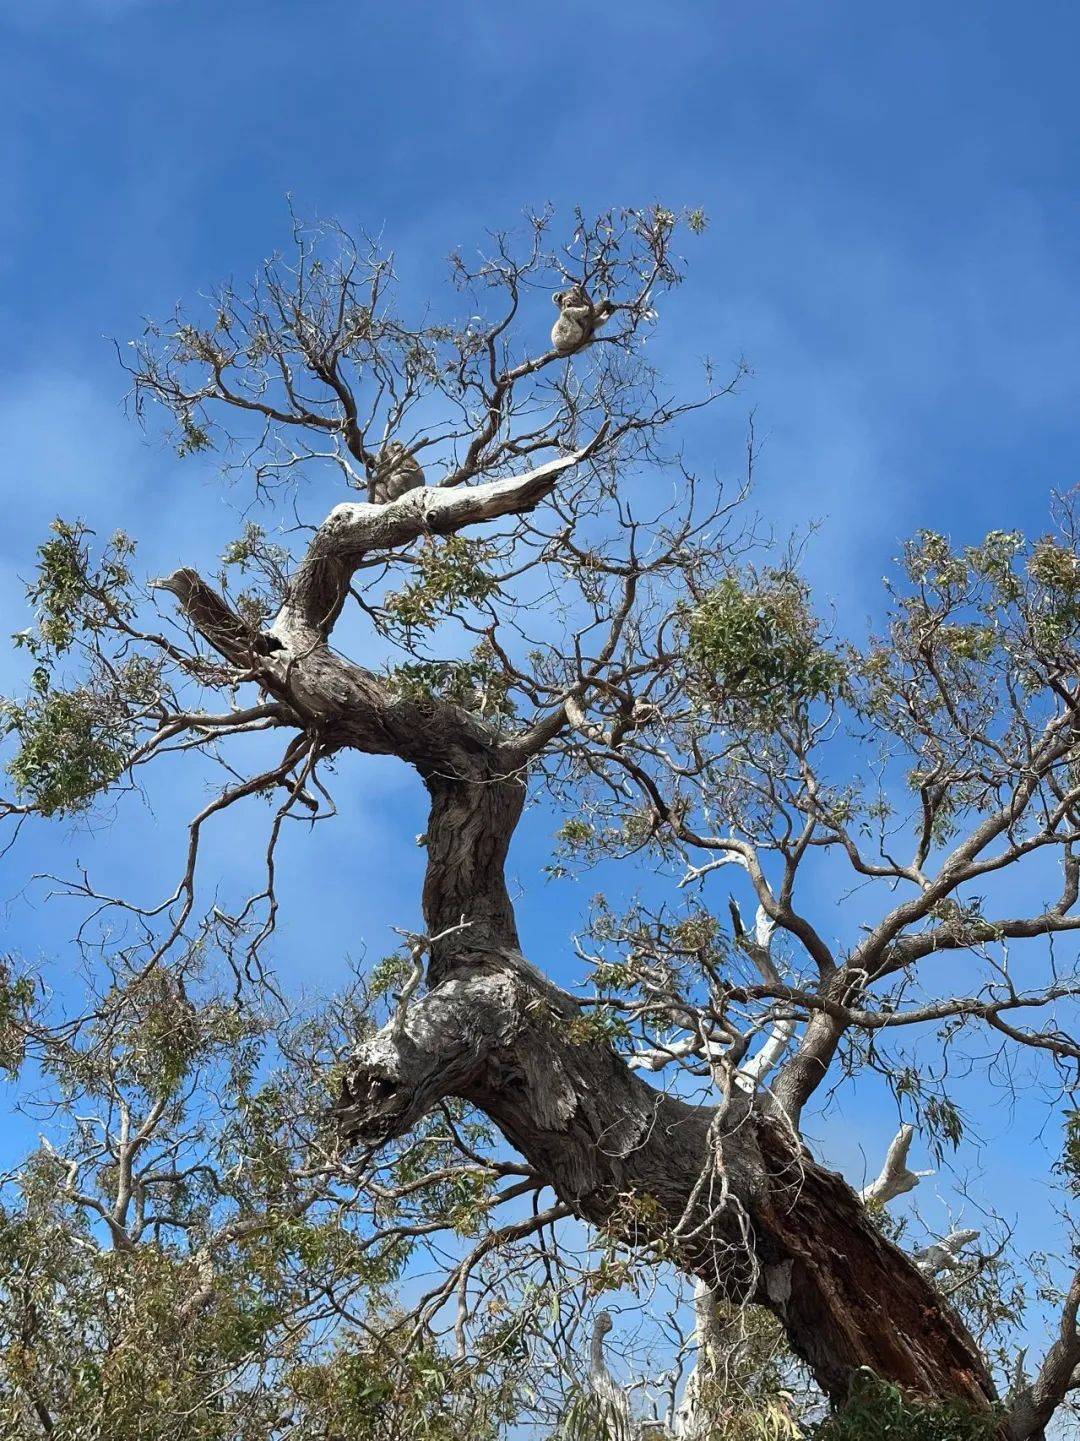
[[558, 297]]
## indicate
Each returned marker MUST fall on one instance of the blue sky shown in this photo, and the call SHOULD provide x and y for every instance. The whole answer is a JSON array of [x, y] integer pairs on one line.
[[894, 246]]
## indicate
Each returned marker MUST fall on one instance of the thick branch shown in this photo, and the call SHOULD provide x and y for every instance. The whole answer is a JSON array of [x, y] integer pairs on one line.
[[211, 615], [1035, 1405], [353, 530]]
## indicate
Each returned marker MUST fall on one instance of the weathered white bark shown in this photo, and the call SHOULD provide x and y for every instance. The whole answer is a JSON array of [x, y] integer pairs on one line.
[[691, 1419], [896, 1177], [611, 1400], [944, 1255]]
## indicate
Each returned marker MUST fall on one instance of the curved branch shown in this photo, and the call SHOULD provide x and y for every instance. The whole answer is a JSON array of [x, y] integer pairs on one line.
[[353, 530]]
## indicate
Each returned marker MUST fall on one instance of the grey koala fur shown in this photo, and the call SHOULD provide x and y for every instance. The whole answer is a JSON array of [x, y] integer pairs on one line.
[[578, 318], [395, 471]]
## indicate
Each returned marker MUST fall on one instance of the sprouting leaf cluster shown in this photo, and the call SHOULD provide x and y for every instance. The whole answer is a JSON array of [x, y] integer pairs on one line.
[[476, 684], [878, 1411], [73, 744], [72, 597], [18, 991], [975, 618], [756, 647], [73, 741], [451, 574]]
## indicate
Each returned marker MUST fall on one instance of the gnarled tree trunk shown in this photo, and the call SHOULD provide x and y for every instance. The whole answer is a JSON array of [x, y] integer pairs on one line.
[[742, 1203]]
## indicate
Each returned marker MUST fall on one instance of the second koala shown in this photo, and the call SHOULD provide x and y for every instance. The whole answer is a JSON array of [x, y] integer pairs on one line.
[[394, 472]]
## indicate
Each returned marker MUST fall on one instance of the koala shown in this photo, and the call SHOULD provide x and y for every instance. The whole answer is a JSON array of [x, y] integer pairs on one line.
[[395, 471], [578, 318]]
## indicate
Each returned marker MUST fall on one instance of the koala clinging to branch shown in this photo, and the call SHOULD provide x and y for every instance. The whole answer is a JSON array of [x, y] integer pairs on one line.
[[395, 471], [578, 318]]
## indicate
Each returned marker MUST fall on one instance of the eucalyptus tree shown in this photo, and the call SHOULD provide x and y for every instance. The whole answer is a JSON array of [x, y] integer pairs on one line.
[[567, 611]]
